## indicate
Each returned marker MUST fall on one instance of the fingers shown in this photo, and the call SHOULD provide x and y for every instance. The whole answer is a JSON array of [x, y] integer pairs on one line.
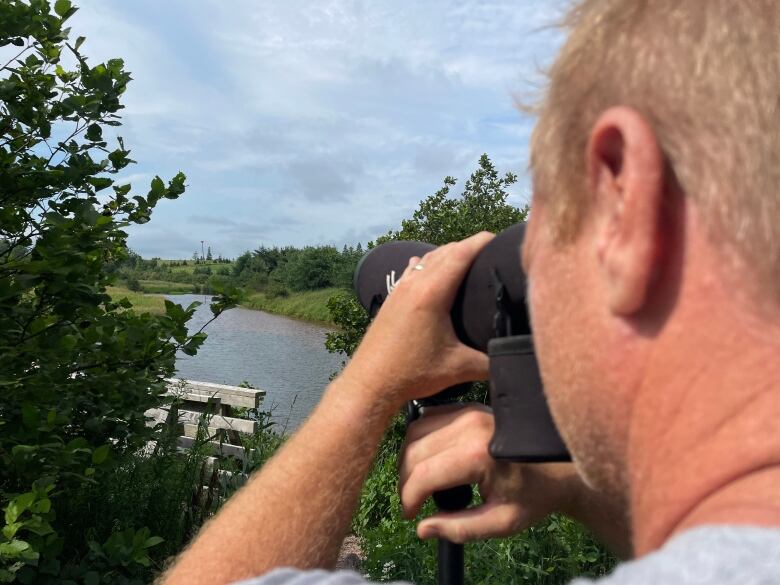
[[433, 418], [443, 471], [413, 261], [486, 521], [445, 427], [442, 428], [447, 265]]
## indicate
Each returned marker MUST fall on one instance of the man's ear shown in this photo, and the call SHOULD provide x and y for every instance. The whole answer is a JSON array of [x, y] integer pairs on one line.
[[626, 175]]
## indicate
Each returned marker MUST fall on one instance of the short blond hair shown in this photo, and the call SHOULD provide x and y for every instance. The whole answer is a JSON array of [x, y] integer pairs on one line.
[[706, 75]]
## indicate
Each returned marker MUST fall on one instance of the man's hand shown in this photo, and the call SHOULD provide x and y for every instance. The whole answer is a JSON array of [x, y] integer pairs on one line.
[[448, 446], [411, 350]]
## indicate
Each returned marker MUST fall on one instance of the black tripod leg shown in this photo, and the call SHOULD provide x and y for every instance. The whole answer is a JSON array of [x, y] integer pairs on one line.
[[450, 570], [450, 557]]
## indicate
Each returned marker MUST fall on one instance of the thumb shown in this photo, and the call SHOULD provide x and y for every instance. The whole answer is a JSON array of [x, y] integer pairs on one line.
[[486, 521], [470, 364]]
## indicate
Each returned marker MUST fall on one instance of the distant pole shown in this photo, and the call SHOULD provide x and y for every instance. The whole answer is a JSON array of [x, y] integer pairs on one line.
[[202, 255]]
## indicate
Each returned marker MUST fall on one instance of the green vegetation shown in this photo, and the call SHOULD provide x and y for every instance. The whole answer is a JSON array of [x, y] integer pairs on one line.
[[296, 282], [165, 288], [171, 276], [77, 369], [307, 305], [142, 303]]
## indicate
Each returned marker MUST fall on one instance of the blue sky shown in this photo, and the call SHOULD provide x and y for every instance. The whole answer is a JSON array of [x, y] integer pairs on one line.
[[315, 122]]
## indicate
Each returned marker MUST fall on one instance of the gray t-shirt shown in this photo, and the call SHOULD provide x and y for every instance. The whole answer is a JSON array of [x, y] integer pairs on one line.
[[712, 555]]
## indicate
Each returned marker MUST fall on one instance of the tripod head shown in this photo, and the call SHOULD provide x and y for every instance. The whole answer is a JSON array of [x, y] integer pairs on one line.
[[489, 314]]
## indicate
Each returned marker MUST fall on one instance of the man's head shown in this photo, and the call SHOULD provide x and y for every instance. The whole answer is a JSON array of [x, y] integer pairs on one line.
[[656, 165]]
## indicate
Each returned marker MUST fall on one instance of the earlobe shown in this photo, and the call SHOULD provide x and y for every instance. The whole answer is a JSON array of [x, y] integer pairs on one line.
[[626, 177]]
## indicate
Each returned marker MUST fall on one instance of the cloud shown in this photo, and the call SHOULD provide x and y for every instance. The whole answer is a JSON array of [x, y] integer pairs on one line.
[[296, 121]]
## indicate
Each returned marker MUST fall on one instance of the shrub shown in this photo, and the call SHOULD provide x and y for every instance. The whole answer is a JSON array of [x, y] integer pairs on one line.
[[133, 284], [77, 370], [274, 290]]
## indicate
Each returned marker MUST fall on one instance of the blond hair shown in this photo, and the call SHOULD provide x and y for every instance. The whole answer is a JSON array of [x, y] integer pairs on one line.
[[706, 75]]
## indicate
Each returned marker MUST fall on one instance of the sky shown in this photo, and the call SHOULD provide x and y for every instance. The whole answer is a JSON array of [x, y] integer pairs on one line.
[[306, 123]]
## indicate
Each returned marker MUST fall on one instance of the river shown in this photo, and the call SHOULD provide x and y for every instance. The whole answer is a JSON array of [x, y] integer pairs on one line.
[[285, 357]]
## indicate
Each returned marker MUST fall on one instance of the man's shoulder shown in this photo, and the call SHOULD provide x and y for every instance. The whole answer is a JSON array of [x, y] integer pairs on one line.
[[717, 555], [287, 576]]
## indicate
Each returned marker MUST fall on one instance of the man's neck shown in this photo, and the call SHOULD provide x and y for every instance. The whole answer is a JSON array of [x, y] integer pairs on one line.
[[703, 445]]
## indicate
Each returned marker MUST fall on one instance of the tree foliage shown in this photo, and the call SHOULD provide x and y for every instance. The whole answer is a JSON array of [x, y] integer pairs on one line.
[[296, 269], [77, 371], [482, 206]]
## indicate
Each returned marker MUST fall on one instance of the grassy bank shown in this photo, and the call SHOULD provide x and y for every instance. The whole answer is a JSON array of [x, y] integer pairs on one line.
[[154, 304], [165, 287], [308, 305]]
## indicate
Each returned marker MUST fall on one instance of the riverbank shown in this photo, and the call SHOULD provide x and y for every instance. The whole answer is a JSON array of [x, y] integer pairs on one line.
[[142, 302], [307, 305]]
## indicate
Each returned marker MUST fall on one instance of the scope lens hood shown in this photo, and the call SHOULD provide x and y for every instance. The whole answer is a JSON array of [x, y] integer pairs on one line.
[[381, 268]]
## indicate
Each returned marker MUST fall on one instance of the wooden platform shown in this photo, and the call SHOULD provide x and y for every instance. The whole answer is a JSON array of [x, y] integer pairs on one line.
[[223, 411]]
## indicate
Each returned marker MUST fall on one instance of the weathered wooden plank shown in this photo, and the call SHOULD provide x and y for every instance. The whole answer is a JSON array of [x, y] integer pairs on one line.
[[223, 449], [216, 421], [198, 397], [230, 395]]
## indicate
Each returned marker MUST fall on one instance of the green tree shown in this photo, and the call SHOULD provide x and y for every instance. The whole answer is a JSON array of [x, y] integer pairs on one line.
[[482, 206], [77, 371], [439, 219]]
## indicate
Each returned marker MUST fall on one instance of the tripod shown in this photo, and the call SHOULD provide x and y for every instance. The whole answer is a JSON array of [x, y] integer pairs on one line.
[[450, 554]]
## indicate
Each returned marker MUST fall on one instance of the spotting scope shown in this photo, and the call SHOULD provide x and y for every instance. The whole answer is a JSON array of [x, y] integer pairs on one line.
[[489, 314]]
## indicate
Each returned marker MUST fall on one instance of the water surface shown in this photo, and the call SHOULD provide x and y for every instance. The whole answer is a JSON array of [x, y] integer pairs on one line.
[[285, 357]]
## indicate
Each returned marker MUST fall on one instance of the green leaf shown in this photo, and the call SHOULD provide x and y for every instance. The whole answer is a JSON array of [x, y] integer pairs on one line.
[[158, 187], [100, 183], [94, 133], [68, 342], [62, 7], [41, 506], [30, 416], [14, 548], [10, 530], [18, 506], [153, 541], [91, 578], [100, 454], [79, 42]]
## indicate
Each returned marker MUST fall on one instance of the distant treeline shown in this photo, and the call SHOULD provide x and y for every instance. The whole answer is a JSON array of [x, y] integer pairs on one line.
[[276, 271]]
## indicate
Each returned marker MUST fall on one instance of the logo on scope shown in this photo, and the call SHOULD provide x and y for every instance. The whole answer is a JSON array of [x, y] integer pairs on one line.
[[391, 281]]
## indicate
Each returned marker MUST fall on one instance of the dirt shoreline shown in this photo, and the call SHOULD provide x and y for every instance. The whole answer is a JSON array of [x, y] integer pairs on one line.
[[351, 555]]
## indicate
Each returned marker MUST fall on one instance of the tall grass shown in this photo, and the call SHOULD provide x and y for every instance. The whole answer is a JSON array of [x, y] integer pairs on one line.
[[166, 287], [308, 305], [154, 304]]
